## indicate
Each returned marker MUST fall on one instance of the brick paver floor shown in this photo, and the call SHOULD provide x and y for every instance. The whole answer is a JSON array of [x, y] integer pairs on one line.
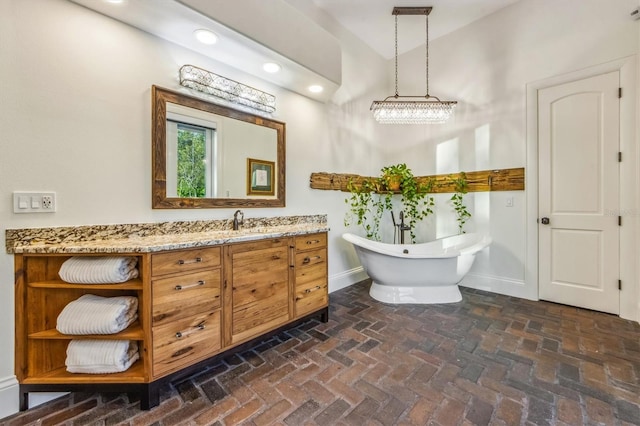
[[490, 359]]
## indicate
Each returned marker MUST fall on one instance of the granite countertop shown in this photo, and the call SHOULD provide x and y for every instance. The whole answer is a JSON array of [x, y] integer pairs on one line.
[[148, 238]]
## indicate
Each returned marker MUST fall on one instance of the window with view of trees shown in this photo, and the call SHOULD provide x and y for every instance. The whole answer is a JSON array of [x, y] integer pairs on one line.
[[191, 156], [192, 161]]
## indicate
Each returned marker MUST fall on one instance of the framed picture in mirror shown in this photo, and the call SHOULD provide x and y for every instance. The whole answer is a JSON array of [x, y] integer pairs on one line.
[[260, 177]]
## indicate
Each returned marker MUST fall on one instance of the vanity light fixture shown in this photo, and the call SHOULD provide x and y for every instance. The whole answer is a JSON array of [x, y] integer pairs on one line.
[[413, 109], [205, 36], [315, 88], [271, 67], [224, 88]]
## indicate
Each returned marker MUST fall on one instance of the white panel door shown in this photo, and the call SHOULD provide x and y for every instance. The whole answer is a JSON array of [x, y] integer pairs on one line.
[[578, 143]]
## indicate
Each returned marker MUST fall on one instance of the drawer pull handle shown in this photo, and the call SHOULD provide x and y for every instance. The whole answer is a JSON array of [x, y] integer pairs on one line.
[[181, 334], [275, 257], [309, 259], [186, 262], [309, 290], [184, 287], [313, 242]]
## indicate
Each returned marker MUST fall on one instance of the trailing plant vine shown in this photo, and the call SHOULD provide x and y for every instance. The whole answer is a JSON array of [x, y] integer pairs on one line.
[[372, 197], [462, 214]]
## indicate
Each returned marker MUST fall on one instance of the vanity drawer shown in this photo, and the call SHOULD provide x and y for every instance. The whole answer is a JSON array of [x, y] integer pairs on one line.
[[311, 265], [182, 342], [311, 241], [184, 261], [311, 296], [185, 295]]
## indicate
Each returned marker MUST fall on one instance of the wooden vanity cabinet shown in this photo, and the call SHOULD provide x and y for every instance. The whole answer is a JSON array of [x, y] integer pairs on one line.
[[185, 287], [311, 277], [195, 306], [40, 350]]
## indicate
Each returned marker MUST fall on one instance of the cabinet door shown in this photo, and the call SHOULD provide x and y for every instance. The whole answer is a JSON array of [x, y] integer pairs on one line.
[[256, 288]]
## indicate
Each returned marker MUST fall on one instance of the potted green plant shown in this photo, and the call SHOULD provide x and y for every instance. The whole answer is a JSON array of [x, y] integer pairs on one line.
[[392, 176], [371, 198], [462, 214]]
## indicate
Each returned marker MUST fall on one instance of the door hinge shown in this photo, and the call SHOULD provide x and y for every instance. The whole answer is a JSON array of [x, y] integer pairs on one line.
[[619, 92], [619, 220], [619, 284], [619, 156]]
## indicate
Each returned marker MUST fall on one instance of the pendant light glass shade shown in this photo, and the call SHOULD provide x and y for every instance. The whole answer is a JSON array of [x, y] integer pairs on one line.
[[412, 109], [412, 112]]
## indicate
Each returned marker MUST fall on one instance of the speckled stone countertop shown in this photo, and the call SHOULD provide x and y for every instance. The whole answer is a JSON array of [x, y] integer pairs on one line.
[[152, 237]]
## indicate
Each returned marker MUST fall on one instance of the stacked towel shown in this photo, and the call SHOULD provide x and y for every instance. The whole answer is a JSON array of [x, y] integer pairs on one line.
[[99, 270], [101, 356], [91, 314]]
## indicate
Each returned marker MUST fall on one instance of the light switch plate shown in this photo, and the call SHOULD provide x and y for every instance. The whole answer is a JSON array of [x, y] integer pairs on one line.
[[34, 202]]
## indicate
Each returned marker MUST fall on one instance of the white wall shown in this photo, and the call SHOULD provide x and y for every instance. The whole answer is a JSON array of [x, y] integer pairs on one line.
[[486, 67], [75, 118]]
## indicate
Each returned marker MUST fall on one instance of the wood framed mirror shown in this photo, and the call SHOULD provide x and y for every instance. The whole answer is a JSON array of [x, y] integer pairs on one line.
[[200, 153]]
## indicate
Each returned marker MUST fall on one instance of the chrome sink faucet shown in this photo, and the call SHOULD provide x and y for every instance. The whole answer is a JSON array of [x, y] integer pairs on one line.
[[237, 222]]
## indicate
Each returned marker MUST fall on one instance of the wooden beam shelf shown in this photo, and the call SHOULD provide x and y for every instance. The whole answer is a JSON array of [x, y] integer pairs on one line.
[[479, 181]]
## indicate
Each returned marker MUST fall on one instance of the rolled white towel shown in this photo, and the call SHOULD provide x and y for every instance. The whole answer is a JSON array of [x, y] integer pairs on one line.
[[101, 356], [91, 314], [98, 270]]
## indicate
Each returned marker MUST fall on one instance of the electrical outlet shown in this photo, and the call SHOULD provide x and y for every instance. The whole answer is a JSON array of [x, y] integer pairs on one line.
[[47, 202], [34, 202]]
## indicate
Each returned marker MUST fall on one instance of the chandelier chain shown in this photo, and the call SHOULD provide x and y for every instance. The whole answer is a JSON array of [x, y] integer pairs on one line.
[[427, 55], [396, 56]]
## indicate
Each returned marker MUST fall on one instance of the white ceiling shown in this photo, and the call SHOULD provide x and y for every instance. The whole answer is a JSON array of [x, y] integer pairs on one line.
[[372, 21], [369, 20], [174, 21]]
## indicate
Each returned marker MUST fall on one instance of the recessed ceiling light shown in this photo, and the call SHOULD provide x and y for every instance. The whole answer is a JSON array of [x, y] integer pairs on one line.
[[115, 1], [315, 88], [271, 67], [205, 36]]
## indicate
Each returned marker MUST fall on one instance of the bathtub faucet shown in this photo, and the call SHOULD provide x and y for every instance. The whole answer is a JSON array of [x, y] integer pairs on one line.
[[401, 226]]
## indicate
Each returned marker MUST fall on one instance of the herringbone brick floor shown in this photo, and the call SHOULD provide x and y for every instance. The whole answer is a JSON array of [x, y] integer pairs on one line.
[[489, 359]]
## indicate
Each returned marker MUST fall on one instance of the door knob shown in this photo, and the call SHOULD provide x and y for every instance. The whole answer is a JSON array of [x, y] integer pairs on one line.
[[544, 220]]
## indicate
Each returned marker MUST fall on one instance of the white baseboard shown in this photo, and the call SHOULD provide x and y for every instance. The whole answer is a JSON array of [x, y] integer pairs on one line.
[[500, 285], [346, 278], [8, 396]]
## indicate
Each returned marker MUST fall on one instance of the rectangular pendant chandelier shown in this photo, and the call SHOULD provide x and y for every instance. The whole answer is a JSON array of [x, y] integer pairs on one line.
[[224, 88], [412, 112], [425, 109]]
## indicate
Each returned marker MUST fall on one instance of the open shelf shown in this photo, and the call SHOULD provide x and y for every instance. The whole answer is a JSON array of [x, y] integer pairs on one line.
[[129, 285], [133, 332], [135, 374]]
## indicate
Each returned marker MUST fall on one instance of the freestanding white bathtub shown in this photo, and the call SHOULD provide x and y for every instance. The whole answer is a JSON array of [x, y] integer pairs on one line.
[[418, 273]]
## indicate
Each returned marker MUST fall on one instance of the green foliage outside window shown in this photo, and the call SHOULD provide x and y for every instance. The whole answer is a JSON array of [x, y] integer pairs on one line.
[[191, 162]]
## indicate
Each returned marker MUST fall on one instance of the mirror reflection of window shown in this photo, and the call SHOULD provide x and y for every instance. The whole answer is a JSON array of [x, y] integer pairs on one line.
[[191, 157]]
